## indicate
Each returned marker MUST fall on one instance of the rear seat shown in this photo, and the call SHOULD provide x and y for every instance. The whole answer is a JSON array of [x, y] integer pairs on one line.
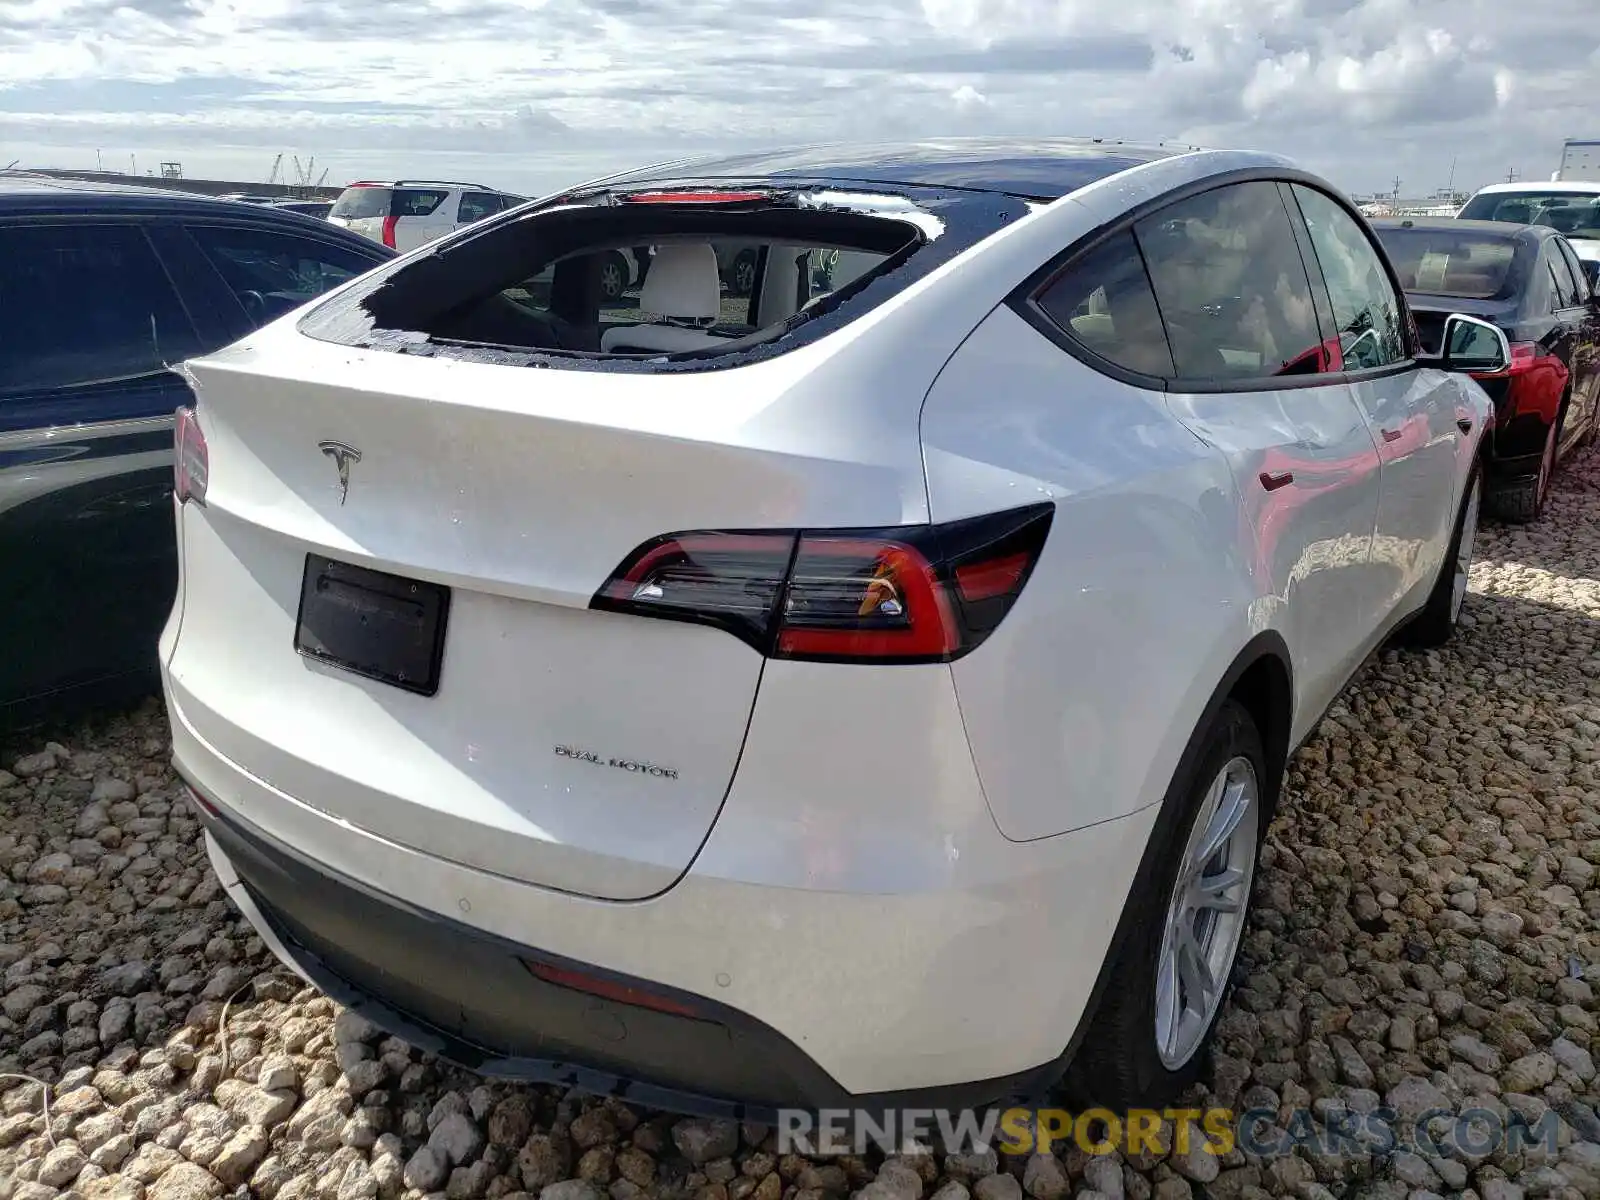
[[683, 286]]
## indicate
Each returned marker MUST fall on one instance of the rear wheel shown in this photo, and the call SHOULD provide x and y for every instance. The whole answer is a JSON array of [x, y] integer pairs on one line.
[[1436, 623], [1523, 501], [613, 275], [742, 275], [1149, 1038]]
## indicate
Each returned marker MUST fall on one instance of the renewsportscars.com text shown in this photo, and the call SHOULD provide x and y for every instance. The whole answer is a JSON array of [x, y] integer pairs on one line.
[[1471, 1133]]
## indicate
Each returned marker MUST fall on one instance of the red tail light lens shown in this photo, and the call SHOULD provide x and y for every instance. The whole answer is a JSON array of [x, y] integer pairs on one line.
[[731, 580], [924, 594], [864, 598], [388, 232], [607, 989], [192, 464]]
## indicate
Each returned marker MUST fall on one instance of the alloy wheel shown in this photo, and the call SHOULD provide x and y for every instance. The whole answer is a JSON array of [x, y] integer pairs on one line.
[[1463, 563], [1206, 912]]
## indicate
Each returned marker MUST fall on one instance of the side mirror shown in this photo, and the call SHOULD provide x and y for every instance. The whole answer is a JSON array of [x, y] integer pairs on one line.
[[1474, 345]]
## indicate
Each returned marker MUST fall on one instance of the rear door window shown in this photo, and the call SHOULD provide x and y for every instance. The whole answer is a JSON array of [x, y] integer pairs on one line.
[[1366, 307], [1566, 286], [86, 304], [1576, 265], [416, 202], [477, 205], [1231, 286], [272, 273], [1103, 302]]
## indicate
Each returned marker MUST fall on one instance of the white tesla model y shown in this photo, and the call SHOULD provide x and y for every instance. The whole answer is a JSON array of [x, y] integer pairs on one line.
[[871, 688]]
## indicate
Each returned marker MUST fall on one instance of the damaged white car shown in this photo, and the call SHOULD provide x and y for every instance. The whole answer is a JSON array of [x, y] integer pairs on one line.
[[867, 690]]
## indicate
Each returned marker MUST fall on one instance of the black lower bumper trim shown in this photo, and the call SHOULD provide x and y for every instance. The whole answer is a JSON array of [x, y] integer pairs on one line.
[[469, 997]]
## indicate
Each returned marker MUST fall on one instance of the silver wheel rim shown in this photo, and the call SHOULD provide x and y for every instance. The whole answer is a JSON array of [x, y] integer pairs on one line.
[[1463, 565], [1206, 912], [610, 279], [744, 274]]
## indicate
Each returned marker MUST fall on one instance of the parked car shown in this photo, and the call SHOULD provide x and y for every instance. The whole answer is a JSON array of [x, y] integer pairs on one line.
[[1571, 207], [103, 290], [951, 628], [1529, 282], [407, 213], [316, 209]]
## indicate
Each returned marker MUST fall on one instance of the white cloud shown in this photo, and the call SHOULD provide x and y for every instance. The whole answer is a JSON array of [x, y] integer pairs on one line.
[[968, 97], [538, 92]]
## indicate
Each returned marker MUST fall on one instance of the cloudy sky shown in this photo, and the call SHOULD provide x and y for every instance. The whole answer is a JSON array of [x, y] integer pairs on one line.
[[533, 95]]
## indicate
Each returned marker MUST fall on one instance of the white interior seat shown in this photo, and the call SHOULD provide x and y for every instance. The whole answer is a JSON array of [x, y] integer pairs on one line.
[[683, 285]]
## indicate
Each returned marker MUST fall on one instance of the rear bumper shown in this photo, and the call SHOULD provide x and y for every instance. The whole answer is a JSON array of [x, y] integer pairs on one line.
[[471, 998], [831, 959]]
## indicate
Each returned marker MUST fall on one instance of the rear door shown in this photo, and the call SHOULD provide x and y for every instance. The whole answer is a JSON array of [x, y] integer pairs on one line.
[[92, 320], [1584, 410], [1411, 413], [1571, 338], [422, 214], [1250, 377]]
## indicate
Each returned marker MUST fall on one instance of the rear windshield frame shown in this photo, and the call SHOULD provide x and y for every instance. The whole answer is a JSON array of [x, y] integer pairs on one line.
[[962, 217]]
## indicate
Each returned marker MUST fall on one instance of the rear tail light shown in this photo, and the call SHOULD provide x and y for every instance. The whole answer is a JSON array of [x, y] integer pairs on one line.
[[922, 594], [388, 232], [192, 464]]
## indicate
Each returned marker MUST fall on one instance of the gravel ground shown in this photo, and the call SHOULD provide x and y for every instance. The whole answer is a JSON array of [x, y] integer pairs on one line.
[[1426, 916]]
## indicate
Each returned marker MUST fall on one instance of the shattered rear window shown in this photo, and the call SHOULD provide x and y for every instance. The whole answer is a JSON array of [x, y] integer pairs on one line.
[[750, 274]]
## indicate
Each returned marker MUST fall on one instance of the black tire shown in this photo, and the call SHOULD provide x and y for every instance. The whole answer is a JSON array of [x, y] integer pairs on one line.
[[613, 275], [1118, 1064], [742, 274], [1436, 623], [1522, 502]]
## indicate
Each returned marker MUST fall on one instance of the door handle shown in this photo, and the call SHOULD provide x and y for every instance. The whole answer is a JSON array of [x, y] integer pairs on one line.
[[1273, 482], [1393, 435], [1464, 424]]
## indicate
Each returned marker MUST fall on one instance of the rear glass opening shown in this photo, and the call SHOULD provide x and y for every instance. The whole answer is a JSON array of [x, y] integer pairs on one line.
[[1435, 262], [613, 281]]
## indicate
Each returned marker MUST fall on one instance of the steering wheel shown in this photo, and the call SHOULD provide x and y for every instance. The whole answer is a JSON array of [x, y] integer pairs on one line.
[[255, 306]]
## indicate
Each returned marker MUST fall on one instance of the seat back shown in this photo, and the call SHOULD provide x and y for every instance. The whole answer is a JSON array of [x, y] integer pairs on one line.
[[683, 285]]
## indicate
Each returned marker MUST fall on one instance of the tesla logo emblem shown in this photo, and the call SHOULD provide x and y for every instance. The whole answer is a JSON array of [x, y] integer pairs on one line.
[[342, 457]]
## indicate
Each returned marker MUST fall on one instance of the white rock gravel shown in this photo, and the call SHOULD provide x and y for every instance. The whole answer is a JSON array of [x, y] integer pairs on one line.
[[1424, 941]]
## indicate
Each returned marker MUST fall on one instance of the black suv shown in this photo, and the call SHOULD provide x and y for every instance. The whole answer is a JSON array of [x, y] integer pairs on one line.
[[102, 290]]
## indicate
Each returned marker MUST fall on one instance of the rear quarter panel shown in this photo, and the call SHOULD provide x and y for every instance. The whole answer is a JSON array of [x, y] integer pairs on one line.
[[1079, 706]]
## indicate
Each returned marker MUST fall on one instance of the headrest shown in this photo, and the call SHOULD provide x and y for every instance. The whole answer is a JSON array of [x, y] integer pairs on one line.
[[683, 282]]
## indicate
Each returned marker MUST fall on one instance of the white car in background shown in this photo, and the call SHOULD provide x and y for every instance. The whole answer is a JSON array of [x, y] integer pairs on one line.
[[407, 213], [1569, 206], [874, 690]]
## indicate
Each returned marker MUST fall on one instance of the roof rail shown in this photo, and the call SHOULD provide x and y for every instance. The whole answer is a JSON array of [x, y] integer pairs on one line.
[[477, 187]]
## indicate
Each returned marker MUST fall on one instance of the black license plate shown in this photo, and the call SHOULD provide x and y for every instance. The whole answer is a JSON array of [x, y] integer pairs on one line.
[[382, 626]]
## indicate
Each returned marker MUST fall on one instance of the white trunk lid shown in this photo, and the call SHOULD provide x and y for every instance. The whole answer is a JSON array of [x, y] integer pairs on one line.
[[581, 750]]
